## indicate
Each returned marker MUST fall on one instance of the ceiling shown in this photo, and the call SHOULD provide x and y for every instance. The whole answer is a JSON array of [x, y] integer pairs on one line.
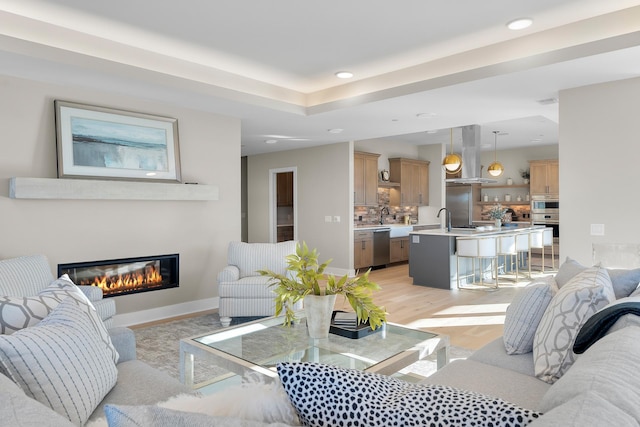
[[419, 65]]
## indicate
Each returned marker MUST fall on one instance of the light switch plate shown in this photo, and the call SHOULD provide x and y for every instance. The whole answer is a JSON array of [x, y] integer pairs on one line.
[[327, 218], [597, 229], [336, 218]]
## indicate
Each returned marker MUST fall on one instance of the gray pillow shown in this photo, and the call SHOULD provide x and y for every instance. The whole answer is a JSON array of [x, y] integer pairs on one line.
[[568, 270], [624, 281], [62, 362], [524, 314]]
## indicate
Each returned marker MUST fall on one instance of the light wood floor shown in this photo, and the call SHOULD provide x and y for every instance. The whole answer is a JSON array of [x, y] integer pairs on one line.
[[471, 318]]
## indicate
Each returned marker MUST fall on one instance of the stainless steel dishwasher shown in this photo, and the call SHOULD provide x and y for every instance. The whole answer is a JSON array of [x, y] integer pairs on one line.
[[380, 246]]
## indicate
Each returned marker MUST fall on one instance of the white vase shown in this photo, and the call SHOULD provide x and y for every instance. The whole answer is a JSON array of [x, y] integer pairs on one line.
[[318, 310], [497, 223]]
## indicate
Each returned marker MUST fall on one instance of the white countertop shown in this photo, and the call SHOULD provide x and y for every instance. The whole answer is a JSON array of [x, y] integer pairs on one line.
[[375, 226], [484, 231]]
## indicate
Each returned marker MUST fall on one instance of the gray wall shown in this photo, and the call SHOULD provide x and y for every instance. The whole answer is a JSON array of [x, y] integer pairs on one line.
[[599, 153], [87, 230], [324, 188]]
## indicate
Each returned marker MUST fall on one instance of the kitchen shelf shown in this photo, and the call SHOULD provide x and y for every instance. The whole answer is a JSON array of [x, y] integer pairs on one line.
[[388, 184], [487, 186], [88, 189], [502, 202]]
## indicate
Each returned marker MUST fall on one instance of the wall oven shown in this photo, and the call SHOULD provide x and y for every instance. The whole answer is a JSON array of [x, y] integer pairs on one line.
[[546, 211]]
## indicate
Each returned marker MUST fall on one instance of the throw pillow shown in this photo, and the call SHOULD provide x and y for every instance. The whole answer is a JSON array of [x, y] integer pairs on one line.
[[61, 362], [21, 312], [326, 395], [569, 309], [524, 314], [624, 281], [567, 271]]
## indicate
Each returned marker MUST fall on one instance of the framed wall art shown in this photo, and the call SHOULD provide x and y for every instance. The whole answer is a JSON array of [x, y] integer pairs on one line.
[[98, 142]]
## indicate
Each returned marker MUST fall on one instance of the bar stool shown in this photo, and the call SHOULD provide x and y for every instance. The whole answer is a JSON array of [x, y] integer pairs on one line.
[[523, 247], [481, 248], [506, 246], [540, 239]]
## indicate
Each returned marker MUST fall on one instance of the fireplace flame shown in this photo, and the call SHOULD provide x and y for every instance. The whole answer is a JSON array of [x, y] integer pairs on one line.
[[150, 276]]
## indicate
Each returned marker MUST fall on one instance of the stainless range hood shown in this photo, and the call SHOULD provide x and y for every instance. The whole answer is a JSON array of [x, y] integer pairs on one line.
[[471, 169]]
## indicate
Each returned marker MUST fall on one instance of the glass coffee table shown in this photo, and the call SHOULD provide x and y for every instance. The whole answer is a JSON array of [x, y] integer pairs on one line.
[[259, 345]]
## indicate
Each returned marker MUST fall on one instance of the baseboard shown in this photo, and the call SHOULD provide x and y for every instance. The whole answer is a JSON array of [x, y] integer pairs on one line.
[[175, 310]]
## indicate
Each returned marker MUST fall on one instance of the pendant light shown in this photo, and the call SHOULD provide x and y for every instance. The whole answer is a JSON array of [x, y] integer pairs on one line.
[[452, 163], [495, 168]]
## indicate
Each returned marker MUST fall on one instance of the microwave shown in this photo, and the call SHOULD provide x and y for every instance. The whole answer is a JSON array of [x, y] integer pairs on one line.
[[545, 205]]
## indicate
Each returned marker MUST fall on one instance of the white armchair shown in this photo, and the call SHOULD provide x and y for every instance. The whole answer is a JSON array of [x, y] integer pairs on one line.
[[244, 292]]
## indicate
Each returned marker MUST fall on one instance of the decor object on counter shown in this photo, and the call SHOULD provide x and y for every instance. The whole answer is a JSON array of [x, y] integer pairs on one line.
[[107, 143], [452, 163], [305, 276], [495, 169], [526, 175], [496, 213]]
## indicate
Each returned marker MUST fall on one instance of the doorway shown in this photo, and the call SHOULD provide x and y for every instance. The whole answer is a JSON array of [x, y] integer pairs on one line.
[[283, 201]]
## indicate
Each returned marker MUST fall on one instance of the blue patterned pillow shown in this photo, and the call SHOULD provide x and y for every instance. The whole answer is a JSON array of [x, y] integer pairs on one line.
[[325, 395]]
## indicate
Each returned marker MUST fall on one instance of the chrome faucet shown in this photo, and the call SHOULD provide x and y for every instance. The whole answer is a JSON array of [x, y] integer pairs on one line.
[[448, 218], [381, 213]]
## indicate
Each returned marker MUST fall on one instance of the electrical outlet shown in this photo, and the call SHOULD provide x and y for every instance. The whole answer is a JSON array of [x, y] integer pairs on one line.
[[336, 218], [597, 229], [327, 218]]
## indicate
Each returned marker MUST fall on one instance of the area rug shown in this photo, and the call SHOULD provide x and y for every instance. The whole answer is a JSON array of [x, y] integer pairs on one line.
[[158, 346]]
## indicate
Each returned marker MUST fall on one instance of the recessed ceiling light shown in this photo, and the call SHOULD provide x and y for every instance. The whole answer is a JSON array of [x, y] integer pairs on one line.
[[344, 74], [271, 141], [426, 115], [432, 131], [519, 24], [336, 130]]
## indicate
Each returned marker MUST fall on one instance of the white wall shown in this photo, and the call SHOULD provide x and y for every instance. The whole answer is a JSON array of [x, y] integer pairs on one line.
[[324, 188], [599, 157], [515, 160], [86, 230]]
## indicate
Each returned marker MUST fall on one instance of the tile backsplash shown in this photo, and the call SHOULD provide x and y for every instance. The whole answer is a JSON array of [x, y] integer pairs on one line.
[[370, 215]]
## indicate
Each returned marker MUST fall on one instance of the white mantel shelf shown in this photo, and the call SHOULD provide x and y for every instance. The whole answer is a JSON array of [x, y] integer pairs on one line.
[[89, 189]]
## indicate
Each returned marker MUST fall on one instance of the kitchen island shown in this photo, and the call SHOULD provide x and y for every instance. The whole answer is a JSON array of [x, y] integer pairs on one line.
[[432, 253]]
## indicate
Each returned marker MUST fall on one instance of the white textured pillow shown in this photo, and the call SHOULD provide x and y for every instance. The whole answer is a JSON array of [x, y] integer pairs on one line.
[[326, 395], [61, 362], [524, 314], [21, 312], [569, 309]]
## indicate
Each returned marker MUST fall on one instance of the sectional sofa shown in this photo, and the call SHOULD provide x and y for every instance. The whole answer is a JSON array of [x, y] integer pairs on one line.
[[568, 357]]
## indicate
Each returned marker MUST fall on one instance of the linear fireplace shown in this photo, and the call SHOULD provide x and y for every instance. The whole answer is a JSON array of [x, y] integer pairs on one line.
[[127, 275]]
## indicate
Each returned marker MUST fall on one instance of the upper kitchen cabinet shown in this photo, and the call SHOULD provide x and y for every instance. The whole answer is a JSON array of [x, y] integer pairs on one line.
[[365, 182], [413, 176], [544, 178]]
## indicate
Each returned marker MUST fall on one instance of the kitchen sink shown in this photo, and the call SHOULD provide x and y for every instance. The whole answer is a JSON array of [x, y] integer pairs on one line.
[[400, 231]]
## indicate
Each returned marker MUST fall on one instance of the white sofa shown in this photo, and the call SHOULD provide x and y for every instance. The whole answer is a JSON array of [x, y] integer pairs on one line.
[[24, 293], [244, 292]]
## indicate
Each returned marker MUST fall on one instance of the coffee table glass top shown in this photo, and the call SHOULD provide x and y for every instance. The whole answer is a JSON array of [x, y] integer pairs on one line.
[[261, 344]]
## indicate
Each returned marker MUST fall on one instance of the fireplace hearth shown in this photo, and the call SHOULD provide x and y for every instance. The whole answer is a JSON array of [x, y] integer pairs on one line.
[[127, 275]]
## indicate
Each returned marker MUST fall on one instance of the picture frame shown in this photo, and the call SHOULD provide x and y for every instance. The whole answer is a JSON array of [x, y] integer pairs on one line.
[[105, 143]]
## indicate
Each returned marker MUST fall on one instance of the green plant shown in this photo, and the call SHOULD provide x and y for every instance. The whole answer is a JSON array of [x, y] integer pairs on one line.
[[525, 174], [497, 211], [305, 276]]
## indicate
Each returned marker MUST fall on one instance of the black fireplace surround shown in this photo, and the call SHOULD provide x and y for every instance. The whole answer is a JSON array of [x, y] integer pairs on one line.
[[127, 275]]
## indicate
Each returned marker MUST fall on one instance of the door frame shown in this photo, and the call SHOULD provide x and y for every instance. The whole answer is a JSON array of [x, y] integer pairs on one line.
[[273, 204]]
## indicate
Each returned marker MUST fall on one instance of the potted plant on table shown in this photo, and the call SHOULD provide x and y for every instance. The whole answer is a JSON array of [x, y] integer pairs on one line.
[[306, 280], [496, 213], [526, 175]]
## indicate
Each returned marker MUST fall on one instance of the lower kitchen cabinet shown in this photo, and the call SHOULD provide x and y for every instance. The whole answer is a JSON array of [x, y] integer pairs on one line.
[[399, 249], [362, 249]]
